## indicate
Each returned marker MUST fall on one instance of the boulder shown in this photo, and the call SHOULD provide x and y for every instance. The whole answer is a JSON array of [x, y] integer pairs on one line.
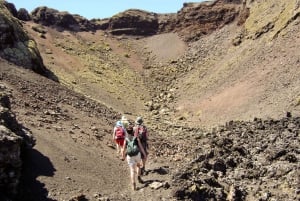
[[134, 22], [197, 19], [16, 46], [23, 14], [14, 139], [52, 17], [260, 153], [11, 8]]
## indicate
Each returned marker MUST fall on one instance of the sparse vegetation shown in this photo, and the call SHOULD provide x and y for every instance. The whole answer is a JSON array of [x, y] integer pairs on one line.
[[183, 89], [298, 102], [127, 55]]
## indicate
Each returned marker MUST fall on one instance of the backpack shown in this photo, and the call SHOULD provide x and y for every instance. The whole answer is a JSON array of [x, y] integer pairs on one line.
[[141, 132], [132, 147], [119, 133]]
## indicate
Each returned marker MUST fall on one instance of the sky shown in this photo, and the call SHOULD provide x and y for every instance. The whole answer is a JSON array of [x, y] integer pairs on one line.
[[103, 8]]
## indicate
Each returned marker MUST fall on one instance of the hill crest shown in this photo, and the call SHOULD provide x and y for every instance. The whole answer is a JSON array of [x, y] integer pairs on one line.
[[184, 80]]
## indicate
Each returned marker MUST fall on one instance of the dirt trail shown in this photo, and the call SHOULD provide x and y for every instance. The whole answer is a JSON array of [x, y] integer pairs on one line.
[[201, 83], [74, 155]]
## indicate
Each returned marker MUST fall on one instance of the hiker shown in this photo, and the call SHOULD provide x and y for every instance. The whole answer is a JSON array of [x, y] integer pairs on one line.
[[119, 134], [140, 131], [132, 150], [124, 121]]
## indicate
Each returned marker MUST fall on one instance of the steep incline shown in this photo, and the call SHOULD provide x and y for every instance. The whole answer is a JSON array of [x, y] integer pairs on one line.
[[184, 77], [237, 72]]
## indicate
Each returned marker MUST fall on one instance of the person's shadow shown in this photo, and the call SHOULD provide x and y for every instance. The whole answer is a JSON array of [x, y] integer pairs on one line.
[[35, 164], [160, 171]]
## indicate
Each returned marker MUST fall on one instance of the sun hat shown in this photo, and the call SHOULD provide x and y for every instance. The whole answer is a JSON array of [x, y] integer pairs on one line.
[[123, 118], [119, 123], [139, 120]]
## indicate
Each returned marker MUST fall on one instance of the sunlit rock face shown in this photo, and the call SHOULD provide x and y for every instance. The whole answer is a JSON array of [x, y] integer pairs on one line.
[[16, 46]]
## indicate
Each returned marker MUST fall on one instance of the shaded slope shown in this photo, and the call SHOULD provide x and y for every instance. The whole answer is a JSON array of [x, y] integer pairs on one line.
[[72, 134]]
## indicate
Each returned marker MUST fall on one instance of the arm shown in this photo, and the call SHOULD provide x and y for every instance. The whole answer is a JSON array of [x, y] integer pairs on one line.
[[147, 134], [125, 131], [123, 151], [135, 131], [147, 139], [141, 147], [114, 134]]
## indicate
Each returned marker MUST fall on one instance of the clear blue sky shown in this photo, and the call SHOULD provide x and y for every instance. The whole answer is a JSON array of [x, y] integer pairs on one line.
[[103, 8]]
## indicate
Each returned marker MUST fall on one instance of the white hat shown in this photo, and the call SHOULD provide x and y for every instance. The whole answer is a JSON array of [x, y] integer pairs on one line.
[[119, 123]]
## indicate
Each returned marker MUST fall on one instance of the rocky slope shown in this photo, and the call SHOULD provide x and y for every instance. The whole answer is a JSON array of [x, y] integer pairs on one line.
[[184, 77], [257, 160], [15, 139], [237, 72]]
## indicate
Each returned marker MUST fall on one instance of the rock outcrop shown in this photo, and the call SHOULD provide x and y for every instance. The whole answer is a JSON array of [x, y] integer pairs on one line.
[[134, 22], [191, 22], [51, 17], [279, 15], [21, 14], [197, 19], [11, 8], [16, 46], [14, 139]]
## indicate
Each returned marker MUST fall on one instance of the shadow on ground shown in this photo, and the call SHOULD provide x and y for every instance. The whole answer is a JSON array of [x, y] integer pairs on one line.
[[35, 165]]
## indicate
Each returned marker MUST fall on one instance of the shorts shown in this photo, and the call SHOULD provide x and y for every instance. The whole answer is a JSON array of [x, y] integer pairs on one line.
[[133, 160], [120, 141]]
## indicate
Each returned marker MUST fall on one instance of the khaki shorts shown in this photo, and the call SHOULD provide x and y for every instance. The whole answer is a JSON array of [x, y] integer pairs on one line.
[[134, 160]]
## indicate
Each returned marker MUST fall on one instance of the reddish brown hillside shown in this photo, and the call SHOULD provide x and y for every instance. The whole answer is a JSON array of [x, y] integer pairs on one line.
[[217, 85]]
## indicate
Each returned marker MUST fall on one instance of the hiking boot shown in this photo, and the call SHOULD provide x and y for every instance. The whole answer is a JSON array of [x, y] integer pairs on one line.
[[143, 171], [140, 180]]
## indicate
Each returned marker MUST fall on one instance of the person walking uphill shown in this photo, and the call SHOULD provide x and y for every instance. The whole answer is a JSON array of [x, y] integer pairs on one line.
[[119, 134], [132, 150], [124, 121], [140, 131]]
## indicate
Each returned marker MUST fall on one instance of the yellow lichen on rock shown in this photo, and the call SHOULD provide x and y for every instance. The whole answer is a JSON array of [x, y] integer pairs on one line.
[[264, 18]]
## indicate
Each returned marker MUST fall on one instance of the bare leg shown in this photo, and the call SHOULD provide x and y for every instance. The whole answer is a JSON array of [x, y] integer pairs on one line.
[[144, 160], [121, 149], [118, 148], [139, 167], [132, 176], [144, 163]]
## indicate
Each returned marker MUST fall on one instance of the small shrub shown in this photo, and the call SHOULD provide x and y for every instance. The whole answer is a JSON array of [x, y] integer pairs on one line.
[[298, 102]]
